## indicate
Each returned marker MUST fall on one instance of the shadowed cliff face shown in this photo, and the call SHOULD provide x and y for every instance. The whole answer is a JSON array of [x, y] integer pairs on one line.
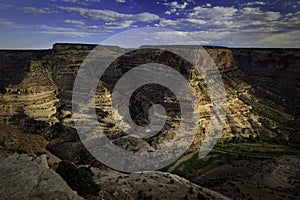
[[14, 66], [275, 75], [275, 71], [262, 89]]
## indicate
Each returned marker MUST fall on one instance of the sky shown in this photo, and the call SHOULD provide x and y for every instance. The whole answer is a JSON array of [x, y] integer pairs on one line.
[[38, 24]]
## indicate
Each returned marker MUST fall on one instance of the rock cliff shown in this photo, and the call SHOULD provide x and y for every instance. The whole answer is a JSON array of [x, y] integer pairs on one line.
[[26, 86], [262, 89]]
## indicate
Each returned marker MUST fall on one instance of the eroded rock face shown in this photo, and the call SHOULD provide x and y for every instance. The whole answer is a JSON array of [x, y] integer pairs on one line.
[[44, 94], [25, 177], [34, 95], [274, 73]]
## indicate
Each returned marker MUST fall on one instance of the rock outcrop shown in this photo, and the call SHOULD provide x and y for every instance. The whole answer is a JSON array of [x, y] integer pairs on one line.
[[26, 87], [26, 177]]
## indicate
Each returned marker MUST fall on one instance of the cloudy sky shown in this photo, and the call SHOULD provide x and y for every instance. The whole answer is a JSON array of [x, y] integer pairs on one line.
[[232, 23]]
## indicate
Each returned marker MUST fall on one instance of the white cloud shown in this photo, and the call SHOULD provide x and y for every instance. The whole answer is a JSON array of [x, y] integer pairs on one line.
[[222, 18], [174, 4], [203, 17], [172, 10], [73, 1], [168, 12], [4, 22], [171, 33], [82, 1], [5, 6], [270, 39], [54, 30], [254, 3], [174, 7], [182, 23], [121, 1], [34, 10], [74, 22], [256, 14], [171, 38], [211, 13], [118, 25], [112, 16], [247, 26]]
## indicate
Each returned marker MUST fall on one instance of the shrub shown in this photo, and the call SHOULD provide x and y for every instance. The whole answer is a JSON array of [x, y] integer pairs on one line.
[[79, 179], [172, 181], [201, 196], [143, 196]]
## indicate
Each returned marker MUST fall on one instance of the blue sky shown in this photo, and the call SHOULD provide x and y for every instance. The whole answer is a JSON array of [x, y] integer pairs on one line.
[[233, 23]]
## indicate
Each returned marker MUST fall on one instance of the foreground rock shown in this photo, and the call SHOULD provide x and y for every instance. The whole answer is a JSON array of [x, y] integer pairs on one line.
[[25, 177], [154, 185]]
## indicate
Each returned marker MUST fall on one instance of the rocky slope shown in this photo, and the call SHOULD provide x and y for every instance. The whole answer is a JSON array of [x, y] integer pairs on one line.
[[154, 185], [273, 178]]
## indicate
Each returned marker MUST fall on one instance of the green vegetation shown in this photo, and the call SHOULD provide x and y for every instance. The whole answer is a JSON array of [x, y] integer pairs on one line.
[[143, 196], [189, 168], [79, 179], [227, 152], [201, 196], [21, 151], [258, 149], [254, 192]]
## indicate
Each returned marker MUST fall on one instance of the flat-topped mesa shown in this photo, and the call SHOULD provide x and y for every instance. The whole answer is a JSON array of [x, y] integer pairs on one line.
[[62, 47], [222, 56], [76, 53], [72, 46], [13, 65]]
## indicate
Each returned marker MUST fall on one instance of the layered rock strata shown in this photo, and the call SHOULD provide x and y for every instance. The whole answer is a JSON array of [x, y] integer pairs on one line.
[[43, 92]]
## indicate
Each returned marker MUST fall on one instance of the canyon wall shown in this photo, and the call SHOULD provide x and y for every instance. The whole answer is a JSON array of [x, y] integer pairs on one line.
[[26, 86], [275, 72], [262, 90]]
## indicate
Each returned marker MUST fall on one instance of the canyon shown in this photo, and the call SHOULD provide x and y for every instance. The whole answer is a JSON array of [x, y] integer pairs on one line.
[[262, 89]]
